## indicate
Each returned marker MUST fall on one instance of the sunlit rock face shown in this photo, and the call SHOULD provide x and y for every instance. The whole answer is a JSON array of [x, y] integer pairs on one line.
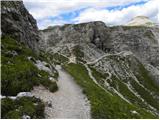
[[142, 41]]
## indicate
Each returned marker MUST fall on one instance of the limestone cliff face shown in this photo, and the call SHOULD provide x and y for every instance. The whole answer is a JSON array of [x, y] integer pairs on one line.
[[18, 23], [86, 32], [126, 57], [142, 41]]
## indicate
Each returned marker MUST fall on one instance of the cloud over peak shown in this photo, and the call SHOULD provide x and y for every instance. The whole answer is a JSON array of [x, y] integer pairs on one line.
[[112, 12]]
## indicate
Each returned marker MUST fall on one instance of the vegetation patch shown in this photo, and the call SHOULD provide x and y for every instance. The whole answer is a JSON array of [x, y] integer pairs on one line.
[[145, 95], [121, 87], [24, 106], [58, 58], [103, 105], [78, 53], [18, 73], [145, 79]]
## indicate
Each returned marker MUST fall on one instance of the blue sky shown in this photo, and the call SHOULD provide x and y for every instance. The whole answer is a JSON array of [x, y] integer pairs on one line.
[[112, 12]]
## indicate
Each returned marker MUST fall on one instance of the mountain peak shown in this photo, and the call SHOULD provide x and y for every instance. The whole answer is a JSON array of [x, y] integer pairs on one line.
[[141, 21]]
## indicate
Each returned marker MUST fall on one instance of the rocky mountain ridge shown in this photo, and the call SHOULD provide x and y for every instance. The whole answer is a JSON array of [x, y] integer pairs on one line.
[[125, 56], [23, 66], [19, 23], [116, 67], [142, 41]]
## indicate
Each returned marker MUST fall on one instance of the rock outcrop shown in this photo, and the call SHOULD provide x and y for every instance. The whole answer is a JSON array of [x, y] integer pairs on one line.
[[70, 33], [142, 41], [124, 55], [18, 23], [122, 60]]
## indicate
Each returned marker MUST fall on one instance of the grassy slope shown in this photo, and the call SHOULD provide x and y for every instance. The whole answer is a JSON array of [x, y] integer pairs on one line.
[[20, 74], [123, 89], [104, 105], [142, 76], [57, 58]]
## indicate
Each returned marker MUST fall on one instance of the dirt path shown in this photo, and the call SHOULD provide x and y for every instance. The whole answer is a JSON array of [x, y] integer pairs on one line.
[[67, 102]]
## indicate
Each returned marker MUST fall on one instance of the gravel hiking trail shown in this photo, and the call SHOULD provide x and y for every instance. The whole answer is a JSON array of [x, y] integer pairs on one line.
[[67, 102]]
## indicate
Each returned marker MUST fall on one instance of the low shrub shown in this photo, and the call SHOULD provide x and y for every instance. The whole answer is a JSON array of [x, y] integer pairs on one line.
[[18, 73], [53, 87], [13, 115], [15, 109]]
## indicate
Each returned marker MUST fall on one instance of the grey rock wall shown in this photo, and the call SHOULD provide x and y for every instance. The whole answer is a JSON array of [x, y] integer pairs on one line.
[[140, 40], [18, 23]]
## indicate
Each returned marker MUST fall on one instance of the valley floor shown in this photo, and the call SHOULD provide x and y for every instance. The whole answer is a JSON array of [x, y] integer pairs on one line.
[[67, 102]]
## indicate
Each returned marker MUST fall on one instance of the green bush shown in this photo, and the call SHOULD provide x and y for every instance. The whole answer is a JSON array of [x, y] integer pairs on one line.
[[57, 58], [78, 53], [6, 105], [15, 109], [17, 77], [56, 75], [44, 80], [53, 87], [18, 73], [13, 115], [40, 110]]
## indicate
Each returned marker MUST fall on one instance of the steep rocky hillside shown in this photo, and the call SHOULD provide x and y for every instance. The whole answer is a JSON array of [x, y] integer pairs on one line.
[[121, 60], [142, 41], [23, 65], [116, 69], [18, 23]]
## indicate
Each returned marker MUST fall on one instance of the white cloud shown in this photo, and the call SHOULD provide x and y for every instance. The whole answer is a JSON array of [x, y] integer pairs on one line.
[[47, 8], [44, 10], [117, 17]]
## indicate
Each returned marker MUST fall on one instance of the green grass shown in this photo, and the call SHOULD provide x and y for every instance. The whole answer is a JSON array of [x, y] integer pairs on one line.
[[58, 59], [15, 109], [98, 75], [18, 73], [103, 105], [145, 79], [142, 76], [44, 80], [21, 76], [145, 95], [123, 89]]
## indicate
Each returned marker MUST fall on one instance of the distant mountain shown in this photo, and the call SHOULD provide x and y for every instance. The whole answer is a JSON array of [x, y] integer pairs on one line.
[[141, 21], [122, 60], [116, 67]]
